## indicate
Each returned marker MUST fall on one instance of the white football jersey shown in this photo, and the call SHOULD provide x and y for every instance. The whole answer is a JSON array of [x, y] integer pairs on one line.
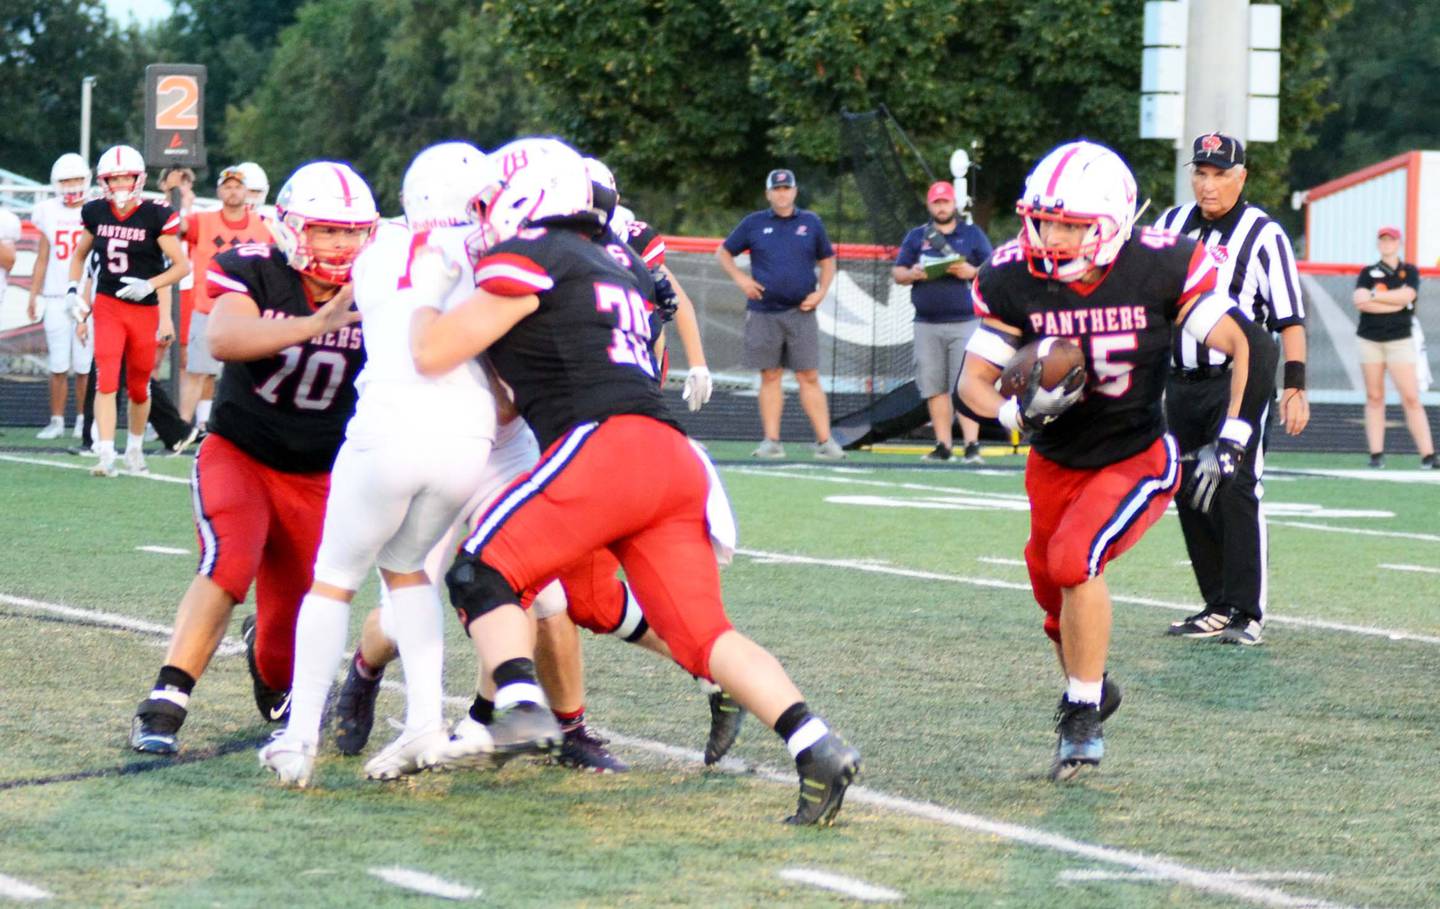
[[10, 230], [394, 397]]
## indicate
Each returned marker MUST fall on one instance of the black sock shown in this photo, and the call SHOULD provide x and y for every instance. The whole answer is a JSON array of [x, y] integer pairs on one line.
[[516, 670], [172, 678], [792, 719], [570, 721], [482, 710]]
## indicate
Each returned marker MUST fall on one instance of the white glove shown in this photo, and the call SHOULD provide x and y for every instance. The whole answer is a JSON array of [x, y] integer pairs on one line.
[[135, 289], [697, 387], [75, 306], [1036, 405], [432, 275]]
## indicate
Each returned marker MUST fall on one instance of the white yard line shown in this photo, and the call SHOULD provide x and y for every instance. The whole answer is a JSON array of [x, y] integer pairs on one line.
[[15, 889], [1086, 875], [996, 560], [86, 467], [855, 889], [162, 550], [228, 646], [1419, 568], [1357, 531], [428, 884]]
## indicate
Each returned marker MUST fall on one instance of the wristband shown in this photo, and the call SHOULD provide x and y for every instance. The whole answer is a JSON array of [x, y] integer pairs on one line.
[[1295, 374], [1236, 430]]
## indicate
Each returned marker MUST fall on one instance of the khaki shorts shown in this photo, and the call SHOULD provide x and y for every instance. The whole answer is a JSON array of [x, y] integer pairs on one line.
[[1401, 350]]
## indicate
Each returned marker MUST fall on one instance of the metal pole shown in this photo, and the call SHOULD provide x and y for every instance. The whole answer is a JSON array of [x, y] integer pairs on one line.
[[87, 85], [1217, 74]]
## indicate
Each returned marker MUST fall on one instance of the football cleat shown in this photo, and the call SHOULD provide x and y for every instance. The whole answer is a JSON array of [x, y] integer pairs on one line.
[[525, 728], [583, 750], [470, 745], [1206, 623], [273, 703], [411, 753], [827, 768], [135, 462], [292, 760], [1244, 631], [1081, 742], [1110, 697], [155, 726], [355, 711], [105, 467], [726, 715]]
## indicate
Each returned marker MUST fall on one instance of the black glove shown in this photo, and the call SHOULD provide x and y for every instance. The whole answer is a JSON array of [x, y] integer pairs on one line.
[[1215, 465], [664, 296]]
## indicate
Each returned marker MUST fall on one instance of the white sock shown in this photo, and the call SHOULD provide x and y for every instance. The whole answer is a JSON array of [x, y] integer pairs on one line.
[[320, 636], [1079, 692], [105, 448], [419, 626], [134, 442], [202, 413]]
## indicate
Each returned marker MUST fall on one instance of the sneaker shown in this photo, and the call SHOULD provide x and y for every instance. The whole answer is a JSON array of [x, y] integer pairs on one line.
[[105, 467], [53, 430], [411, 753], [972, 454], [1428, 463], [135, 462], [768, 449], [79, 431], [191, 438], [273, 703], [725, 717], [1110, 698], [155, 726], [470, 745], [525, 728], [827, 768], [1244, 631], [150, 433], [293, 761], [1081, 742], [941, 452], [584, 750], [355, 711], [1206, 623], [1377, 461], [829, 451]]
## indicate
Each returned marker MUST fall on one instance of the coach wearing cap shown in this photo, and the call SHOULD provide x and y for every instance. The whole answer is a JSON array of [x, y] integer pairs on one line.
[[1228, 547], [785, 244], [938, 260]]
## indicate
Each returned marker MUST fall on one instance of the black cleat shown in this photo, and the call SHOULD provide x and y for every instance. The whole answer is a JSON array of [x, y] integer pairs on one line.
[[355, 711], [584, 750], [1207, 623], [827, 768], [726, 714], [525, 728], [273, 704], [1081, 741], [155, 726], [1110, 697]]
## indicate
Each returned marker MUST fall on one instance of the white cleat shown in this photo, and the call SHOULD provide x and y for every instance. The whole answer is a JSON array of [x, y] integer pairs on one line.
[[105, 467], [470, 745], [52, 430], [411, 753], [135, 462], [293, 761]]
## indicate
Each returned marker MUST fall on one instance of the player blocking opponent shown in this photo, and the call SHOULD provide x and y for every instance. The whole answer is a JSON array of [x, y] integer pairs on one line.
[[1102, 468], [282, 323], [566, 327]]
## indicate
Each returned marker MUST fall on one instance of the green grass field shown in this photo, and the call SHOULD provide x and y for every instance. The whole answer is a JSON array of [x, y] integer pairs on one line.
[[1302, 773]]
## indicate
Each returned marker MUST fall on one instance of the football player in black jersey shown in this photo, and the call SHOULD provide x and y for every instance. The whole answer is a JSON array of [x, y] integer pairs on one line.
[[566, 327], [133, 237], [1102, 468], [284, 326]]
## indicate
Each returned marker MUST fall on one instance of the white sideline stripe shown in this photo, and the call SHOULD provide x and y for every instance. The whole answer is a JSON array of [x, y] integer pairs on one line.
[[1100, 874], [1270, 619], [1420, 568], [428, 884], [86, 467], [163, 550], [996, 560], [15, 889], [1359, 531], [855, 889], [228, 646]]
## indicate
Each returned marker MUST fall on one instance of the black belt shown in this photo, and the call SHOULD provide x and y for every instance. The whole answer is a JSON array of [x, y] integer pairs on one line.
[[1200, 373]]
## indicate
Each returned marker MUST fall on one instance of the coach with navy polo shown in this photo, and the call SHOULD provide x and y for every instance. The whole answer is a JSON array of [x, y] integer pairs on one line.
[[781, 331]]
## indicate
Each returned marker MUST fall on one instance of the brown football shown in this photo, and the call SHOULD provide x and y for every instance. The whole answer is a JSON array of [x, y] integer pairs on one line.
[[1059, 355]]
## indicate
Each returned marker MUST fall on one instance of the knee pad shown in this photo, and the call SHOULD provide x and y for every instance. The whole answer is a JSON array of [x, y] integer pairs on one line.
[[476, 588]]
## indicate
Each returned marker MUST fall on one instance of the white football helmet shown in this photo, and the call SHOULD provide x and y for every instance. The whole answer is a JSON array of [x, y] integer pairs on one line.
[[444, 185], [1080, 183], [320, 193], [534, 181], [70, 166], [601, 174], [119, 161], [256, 182]]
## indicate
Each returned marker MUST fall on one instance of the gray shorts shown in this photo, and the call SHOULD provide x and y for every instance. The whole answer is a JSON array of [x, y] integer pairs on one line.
[[939, 351], [197, 357], [789, 339]]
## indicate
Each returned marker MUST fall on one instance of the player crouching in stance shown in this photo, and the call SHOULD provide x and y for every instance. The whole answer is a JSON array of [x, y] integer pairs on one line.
[[283, 325], [564, 324], [1102, 468]]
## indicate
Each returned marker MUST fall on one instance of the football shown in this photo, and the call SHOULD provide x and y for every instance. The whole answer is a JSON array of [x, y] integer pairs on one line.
[[1059, 356]]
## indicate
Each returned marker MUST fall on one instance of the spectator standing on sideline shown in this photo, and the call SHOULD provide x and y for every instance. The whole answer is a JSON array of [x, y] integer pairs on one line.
[[1228, 546], [781, 331], [1385, 294], [944, 313], [58, 220]]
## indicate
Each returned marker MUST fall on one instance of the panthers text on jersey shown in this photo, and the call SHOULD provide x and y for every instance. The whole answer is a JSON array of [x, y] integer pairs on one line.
[[584, 354], [288, 410], [1123, 324], [61, 226], [129, 245]]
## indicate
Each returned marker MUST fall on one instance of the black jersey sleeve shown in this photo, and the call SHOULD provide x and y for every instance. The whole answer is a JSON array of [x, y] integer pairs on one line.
[[994, 291]]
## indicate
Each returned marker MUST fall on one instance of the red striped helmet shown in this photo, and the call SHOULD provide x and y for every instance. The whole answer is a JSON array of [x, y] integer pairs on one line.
[[328, 194]]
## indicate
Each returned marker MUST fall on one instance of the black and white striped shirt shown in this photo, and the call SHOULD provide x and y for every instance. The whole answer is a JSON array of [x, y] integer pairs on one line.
[[1257, 269]]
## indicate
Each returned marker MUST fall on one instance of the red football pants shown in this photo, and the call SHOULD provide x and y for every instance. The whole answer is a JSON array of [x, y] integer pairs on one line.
[[124, 330], [1081, 519]]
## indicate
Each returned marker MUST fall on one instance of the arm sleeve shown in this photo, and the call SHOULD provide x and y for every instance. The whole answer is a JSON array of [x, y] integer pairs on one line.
[[982, 249], [512, 274], [169, 220], [1200, 274], [1364, 279], [1280, 279], [739, 239], [220, 281], [823, 249], [909, 250], [1412, 278]]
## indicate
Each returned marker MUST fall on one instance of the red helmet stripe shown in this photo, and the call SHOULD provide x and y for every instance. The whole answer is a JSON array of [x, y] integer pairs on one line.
[[344, 185], [1055, 177]]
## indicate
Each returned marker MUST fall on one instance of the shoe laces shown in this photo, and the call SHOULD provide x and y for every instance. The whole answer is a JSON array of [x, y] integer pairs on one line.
[[583, 737]]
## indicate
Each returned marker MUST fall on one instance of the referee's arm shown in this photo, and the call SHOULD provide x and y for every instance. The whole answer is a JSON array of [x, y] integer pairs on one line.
[[1281, 281]]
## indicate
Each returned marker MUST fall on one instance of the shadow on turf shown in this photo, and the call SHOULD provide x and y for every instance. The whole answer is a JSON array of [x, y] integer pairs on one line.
[[142, 765]]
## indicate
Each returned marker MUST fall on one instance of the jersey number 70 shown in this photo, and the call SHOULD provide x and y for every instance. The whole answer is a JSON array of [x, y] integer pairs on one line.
[[630, 339]]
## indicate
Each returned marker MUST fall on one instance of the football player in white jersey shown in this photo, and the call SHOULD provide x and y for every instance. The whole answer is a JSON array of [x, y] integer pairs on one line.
[[414, 454], [58, 219]]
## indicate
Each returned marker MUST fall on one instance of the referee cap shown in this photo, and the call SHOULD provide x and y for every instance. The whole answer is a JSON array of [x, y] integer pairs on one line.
[[1218, 150]]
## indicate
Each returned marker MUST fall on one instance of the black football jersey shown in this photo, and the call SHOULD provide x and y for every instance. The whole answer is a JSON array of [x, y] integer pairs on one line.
[[289, 410], [647, 241], [584, 355], [1123, 324], [129, 246]]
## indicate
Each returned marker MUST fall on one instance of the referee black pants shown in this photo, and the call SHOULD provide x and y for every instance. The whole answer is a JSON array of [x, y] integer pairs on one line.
[[1228, 547]]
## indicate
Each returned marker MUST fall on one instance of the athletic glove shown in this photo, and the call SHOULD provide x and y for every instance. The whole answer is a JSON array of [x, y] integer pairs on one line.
[[665, 302], [1216, 465], [74, 305], [135, 289], [1036, 406], [697, 388]]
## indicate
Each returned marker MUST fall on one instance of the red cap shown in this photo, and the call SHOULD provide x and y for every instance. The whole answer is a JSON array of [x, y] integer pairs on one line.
[[1389, 232], [940, 189]]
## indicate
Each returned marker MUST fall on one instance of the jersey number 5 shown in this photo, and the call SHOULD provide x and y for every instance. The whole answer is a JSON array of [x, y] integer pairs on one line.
[[629, 341]]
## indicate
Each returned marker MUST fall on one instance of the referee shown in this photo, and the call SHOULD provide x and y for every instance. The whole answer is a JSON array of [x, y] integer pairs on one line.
[[1228, 546]]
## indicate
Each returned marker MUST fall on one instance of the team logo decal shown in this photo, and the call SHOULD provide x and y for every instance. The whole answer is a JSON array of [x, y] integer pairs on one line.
[[1210, 143], [1220, 254], [802, 230]]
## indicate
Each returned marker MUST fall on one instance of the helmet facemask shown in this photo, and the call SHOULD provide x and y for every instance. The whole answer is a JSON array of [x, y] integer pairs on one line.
[[1070, 263]]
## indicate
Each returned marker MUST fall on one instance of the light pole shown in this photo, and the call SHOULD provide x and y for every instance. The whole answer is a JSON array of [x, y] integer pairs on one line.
[[87, 86]]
